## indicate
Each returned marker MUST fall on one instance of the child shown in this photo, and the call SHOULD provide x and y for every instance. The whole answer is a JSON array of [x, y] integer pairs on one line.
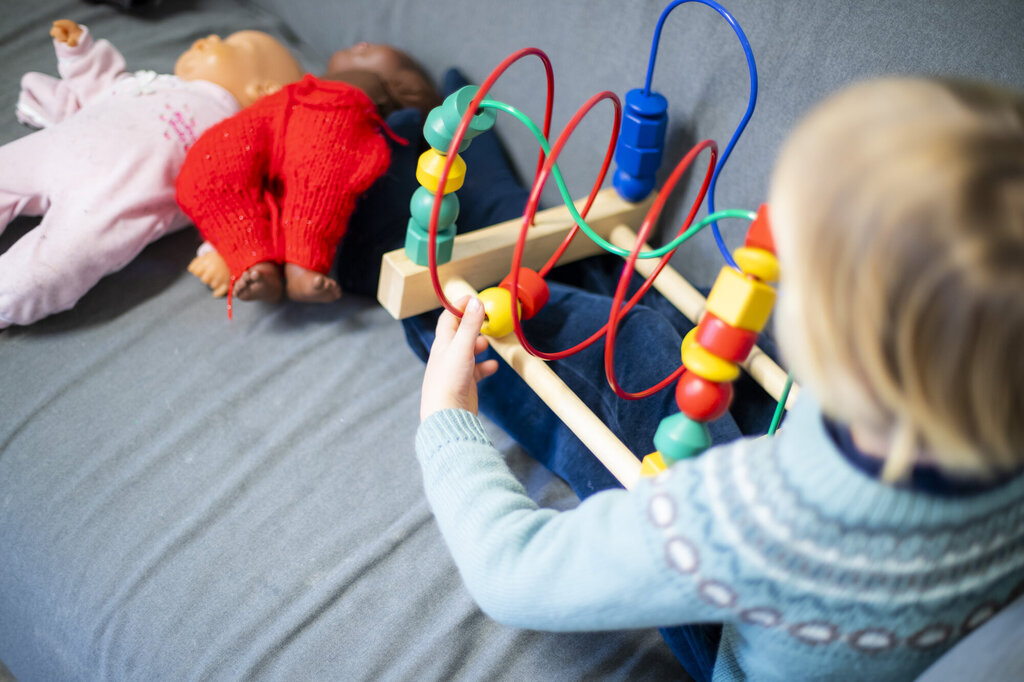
[[883, 522]]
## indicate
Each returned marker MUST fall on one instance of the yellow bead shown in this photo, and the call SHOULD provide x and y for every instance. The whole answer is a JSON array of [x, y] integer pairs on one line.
[[704, 363], [429, 167], [740, 301], [688, 340], [498, 307], [653, 464], [757, 262]]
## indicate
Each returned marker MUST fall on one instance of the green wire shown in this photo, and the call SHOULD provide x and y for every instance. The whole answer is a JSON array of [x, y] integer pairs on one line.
[[570, 204], [781, 407], [607, 246]]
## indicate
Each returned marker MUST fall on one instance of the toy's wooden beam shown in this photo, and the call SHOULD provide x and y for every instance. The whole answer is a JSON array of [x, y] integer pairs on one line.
[[597, 437], [481, 258]]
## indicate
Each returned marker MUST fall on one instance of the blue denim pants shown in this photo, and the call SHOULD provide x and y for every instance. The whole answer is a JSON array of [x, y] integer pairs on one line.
[[647, 349]]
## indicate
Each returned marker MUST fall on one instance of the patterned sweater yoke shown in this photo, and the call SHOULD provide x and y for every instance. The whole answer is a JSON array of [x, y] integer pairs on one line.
[[816, 570]]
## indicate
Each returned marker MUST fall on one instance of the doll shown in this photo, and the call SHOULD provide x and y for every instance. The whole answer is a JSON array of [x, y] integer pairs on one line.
[[388, 80], [101, 170]]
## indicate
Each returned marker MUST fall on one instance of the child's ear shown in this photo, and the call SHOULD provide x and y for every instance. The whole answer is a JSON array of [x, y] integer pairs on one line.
[[256, 90]]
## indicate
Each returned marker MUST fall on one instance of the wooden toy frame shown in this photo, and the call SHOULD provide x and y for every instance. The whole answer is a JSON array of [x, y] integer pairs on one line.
[[481, 258]]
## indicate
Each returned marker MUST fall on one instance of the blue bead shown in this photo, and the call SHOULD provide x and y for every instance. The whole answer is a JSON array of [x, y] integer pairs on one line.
[[639, 161], [632, 188], [641, 144], [644, 119]]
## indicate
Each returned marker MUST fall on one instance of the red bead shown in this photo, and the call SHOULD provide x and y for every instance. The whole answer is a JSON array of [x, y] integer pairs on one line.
[[759, 236], [700, 399], [724, 340], [533, 291]]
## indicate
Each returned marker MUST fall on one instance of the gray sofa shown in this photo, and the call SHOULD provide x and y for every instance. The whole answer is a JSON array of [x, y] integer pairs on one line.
[[184, 497]]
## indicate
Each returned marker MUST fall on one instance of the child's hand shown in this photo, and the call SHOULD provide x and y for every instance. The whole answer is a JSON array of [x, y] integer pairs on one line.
[[66, 31], [211, 269], [452, 372]]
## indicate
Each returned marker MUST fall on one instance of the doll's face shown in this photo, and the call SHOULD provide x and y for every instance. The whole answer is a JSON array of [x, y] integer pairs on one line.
[[248, 64], [406, 82]]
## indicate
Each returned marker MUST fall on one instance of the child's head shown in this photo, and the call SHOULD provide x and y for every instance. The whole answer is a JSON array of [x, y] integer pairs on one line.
[[898, 212]]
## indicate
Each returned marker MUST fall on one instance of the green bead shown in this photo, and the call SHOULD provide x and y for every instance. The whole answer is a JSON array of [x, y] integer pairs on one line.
[[443, 121], [679, 437], [417, 242], [439, 136], [422, 204]]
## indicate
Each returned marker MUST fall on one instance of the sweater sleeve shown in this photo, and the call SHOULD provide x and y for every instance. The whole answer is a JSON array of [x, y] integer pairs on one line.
[[592, 568]]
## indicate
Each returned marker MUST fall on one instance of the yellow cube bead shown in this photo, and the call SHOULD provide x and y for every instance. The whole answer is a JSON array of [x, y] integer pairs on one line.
[[498, 307], [738, 300], [653, 464], [757, 262], [704, 363], [429, 167]]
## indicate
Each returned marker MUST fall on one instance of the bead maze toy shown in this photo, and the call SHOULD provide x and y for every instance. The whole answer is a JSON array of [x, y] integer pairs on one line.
[[436, 266]]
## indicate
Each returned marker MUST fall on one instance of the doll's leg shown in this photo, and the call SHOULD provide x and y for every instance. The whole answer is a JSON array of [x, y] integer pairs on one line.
[[52, 266], [20, 193]]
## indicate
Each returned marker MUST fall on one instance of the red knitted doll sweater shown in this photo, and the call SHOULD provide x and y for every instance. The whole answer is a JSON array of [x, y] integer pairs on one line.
[[279, 180]]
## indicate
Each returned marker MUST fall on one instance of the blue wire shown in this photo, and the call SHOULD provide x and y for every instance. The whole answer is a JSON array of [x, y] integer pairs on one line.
[[751, 67]]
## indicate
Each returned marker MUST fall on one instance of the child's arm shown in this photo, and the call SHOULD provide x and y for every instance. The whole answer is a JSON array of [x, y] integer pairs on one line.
[[599, 566], [87, 68]]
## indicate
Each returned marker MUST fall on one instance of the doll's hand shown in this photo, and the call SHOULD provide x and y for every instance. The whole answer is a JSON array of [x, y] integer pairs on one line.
[[452, 371], [66, 31], [211, 269]]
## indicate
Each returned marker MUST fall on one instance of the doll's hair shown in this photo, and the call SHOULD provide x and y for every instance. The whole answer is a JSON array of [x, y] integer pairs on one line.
[[898, 212]]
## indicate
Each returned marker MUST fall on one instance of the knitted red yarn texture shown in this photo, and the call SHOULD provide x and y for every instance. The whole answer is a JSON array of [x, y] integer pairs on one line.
[[279, 180]]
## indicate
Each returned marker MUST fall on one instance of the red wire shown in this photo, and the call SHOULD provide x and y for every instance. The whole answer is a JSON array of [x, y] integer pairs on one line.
[[453, 149], [531, 210], [544, 167], [652, 216], [608, 155], [617, 312]]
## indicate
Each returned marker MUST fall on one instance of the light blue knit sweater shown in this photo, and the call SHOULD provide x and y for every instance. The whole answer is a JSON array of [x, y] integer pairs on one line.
[[817, 571]]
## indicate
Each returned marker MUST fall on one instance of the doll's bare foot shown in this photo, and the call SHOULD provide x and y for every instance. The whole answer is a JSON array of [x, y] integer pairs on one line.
[[309, 286], [261, 282]]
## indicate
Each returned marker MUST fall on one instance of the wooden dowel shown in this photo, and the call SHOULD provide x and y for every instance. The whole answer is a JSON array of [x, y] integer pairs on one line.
[[594, 434], [691, 302]]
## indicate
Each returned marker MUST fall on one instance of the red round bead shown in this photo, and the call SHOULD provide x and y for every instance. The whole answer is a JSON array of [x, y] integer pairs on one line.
[[724, 340], [533, 291], [700, 399]]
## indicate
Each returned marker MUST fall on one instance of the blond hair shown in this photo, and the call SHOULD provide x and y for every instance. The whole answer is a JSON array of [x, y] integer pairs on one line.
[[898, 211]]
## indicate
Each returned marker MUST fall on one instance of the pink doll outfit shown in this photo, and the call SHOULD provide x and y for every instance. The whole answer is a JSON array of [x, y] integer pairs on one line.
[[101, 172]]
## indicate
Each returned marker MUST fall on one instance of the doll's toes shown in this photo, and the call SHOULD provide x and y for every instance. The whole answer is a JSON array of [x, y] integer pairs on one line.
[[310, 286], [261, 282]]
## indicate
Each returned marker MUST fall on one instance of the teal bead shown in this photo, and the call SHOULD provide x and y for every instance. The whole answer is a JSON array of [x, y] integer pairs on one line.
[[417, 242], [422, 204], [679, 437], [439, 136], [443, 121]]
